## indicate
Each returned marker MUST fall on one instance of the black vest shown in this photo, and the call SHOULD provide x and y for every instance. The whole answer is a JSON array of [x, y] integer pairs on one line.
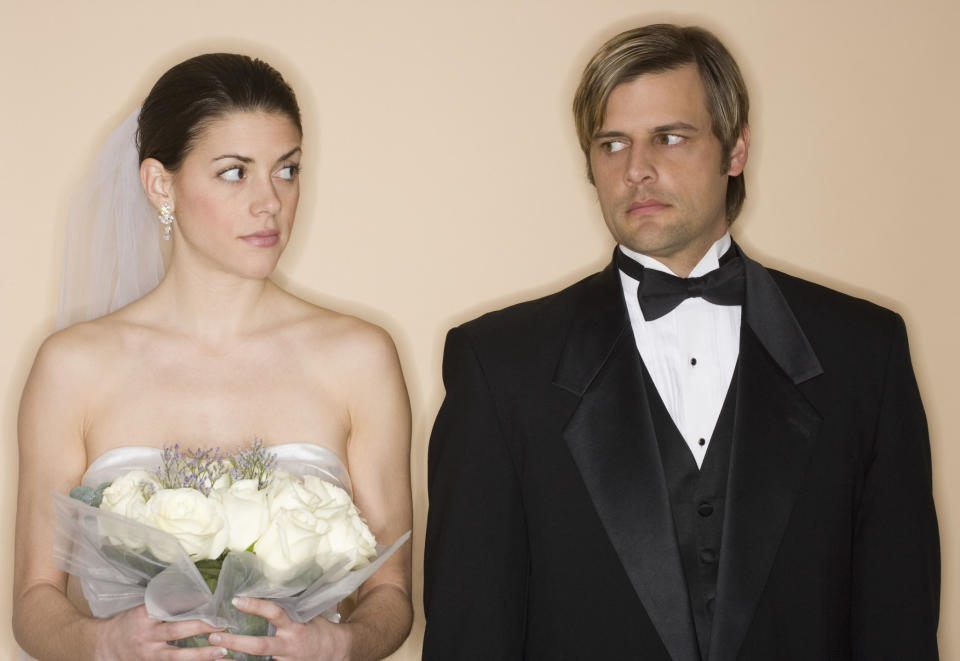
[[697, 498]]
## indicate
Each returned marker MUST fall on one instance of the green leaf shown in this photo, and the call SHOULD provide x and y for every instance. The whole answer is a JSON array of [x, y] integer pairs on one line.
[[89, 495]]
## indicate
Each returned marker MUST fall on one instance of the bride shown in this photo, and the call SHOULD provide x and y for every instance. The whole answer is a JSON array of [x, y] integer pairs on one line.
[[213, 356]]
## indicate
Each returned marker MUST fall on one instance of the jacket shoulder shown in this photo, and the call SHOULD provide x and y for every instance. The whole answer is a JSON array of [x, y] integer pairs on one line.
[[806, 297], [839, 323], [524, 341], [548, 314]]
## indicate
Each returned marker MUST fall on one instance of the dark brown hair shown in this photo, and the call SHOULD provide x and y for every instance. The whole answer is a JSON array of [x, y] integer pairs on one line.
[[194, 93]]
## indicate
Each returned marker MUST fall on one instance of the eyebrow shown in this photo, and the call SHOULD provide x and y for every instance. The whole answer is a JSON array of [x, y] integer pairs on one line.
[[247, 159], [663, 128], [676, 126]]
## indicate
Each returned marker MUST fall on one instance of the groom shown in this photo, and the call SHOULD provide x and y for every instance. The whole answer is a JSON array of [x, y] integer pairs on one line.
[[729, 464]]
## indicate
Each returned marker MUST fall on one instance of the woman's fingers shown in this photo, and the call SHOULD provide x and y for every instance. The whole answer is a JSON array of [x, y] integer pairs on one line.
[[258, 645], [189, 653], [268, 610], [185, 629]]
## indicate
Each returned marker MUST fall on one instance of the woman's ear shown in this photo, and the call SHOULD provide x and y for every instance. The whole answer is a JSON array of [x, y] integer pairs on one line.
[[156, 182]]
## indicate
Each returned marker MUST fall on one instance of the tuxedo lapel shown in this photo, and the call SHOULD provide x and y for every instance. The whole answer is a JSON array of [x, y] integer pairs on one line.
[[612, 441], [775, 428]]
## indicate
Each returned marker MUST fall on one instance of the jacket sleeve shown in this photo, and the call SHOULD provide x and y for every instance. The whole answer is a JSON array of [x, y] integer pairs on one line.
[[896, 570], [476, 554]]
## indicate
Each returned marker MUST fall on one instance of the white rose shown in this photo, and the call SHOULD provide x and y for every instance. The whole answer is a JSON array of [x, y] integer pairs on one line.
[[125, 495], [196, 521], [347, 543], [288, 546], [247, 513], [287, 492], [327, 493]]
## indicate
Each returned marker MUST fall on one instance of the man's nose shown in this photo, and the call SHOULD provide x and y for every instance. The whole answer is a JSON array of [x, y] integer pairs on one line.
[[640, 166]]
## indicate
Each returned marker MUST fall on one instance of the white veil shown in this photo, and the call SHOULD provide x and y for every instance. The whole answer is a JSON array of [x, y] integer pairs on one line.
[[112, 253]]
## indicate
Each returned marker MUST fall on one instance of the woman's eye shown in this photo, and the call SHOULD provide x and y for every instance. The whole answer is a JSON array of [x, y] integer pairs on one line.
[[232, 174], [614, 146], [289, 172]]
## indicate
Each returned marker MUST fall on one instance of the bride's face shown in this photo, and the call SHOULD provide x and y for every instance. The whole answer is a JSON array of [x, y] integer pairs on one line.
[[235, 196]]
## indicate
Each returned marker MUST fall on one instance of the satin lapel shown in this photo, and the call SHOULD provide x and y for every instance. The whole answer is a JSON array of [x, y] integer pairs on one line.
[[612, 440], [768, 314], [774, 432]]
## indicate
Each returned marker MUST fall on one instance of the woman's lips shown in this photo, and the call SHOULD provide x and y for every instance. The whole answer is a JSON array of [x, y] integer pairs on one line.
[[263, 239]]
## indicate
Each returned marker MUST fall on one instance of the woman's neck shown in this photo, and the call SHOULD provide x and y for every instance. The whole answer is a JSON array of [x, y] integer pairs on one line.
[[212, 305]]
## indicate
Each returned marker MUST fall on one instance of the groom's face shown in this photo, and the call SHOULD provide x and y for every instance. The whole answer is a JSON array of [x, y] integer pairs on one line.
[[660, 172]]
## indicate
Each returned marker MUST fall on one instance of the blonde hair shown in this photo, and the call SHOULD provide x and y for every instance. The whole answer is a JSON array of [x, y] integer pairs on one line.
[[655, 49]]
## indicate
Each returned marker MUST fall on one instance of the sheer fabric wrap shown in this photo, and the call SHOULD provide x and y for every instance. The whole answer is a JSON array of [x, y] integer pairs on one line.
[[112, 252], [123, 563]]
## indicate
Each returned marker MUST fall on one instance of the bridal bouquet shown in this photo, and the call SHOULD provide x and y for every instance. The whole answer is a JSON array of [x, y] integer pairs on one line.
[[204, 527]]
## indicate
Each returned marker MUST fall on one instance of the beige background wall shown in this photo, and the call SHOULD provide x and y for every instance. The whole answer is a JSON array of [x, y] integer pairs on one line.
[[442, 176]]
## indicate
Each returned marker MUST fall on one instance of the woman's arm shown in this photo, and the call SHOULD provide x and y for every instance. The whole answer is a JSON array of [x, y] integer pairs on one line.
[[51, 430], [379, 463], [52, 459]]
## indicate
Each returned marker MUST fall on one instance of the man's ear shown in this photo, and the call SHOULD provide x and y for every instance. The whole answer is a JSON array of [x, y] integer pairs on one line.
[[156, 182], [738, 155]]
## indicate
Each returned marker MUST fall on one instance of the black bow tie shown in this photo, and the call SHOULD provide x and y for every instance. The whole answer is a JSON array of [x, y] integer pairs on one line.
[[659, 292]]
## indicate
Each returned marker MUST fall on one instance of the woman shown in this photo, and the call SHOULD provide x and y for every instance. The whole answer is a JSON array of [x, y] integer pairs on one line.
[[213, 356]]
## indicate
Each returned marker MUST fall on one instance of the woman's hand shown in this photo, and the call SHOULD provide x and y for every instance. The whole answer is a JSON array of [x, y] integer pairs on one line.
[[293, 641], [134, 635]]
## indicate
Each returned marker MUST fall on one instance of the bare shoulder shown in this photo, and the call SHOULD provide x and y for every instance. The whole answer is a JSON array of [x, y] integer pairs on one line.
[[343, 340], [75, 353]]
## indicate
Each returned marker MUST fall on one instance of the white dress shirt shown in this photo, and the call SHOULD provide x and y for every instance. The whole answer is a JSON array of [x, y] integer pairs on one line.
[[690, 352]]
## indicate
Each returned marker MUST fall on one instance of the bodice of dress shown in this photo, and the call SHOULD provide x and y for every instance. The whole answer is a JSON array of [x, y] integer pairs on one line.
[[297, 458]]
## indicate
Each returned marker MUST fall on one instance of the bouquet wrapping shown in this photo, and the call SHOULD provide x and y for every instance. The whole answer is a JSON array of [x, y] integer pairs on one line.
[[294, 539]]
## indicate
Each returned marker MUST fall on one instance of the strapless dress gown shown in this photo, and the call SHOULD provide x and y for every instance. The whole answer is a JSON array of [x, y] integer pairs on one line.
[[297, 458]]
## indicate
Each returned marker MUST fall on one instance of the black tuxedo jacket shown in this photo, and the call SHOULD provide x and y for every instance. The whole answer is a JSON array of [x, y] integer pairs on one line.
[[550, 533]]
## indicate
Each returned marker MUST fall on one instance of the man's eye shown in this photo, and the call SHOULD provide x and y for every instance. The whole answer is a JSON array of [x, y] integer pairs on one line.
[[670, 139], [232, 174], [614, 146], [289, 172]]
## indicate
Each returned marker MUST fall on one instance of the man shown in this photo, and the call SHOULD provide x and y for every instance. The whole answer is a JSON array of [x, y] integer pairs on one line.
[[729, 464]]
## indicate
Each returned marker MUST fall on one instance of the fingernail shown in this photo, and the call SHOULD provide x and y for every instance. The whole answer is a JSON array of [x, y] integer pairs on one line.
[[222, 652], [215, 638], [239, 602]]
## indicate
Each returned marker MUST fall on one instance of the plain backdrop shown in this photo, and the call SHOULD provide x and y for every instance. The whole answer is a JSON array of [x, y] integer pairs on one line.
[[442, 177]]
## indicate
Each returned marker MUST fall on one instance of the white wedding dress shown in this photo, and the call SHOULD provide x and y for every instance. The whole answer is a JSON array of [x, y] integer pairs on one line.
[[296, 458]]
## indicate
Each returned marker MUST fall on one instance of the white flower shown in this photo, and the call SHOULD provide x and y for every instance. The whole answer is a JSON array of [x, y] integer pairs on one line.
[[246, 511], [314, 524], [328, 494], [287, 492], [288, 546], [347, 542], [196, 521], [125, 495]]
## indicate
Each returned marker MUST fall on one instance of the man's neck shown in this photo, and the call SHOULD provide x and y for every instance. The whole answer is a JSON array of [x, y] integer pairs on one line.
[[695, 265]]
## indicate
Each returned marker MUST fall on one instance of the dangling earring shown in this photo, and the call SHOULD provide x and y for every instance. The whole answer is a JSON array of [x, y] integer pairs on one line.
[[166, 219]]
